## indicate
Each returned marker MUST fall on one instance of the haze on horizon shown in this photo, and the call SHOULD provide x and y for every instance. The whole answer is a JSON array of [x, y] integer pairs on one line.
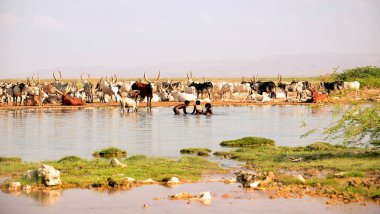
[[44, 35]]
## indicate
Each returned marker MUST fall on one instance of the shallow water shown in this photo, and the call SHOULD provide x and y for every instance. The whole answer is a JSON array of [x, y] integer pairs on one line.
[[156, 197], [47, 134]]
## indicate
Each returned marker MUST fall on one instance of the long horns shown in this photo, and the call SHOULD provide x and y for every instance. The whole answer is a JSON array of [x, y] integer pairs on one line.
[[158, 78], [191, 75], [60, 76]]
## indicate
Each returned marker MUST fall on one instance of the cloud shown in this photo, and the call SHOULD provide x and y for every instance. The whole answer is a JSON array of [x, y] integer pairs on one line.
[[7, 19], [44, 22]]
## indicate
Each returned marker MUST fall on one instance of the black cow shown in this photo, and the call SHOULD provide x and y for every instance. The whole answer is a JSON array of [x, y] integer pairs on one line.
[[200, 87], [332, 86], [268, 87]]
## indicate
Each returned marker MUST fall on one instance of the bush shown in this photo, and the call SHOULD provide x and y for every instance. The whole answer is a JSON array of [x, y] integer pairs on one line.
[[249, 142], [110, 152], [367, 76], [319, 146]]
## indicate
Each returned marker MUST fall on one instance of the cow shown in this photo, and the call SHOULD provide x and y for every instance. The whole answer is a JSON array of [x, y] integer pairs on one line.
[[203, 87], [107, 88], [261, 87], [318, 97], [19, 91], [146, 90], [68, 100], [88, 89], [331, 86], [128, 103], [355, 85], [60, 85]]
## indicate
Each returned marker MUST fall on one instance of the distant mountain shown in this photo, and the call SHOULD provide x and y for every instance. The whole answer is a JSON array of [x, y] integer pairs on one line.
[[287, 65]]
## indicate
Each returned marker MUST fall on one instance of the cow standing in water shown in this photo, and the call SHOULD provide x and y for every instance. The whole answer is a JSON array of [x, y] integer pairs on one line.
[[146, 90]]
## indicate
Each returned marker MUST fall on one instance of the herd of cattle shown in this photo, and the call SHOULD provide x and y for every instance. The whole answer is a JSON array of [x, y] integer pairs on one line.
[[33, 92]]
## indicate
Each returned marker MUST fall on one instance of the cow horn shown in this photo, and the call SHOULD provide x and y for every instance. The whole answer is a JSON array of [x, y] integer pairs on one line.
[[191, 74], [60, 76], [116, 78], [38, 78], [88, 75], [159, 73], [187, 74], [146, 79], [33, 81], [59, 92], [54, 76], [81, 77], [108, 81]]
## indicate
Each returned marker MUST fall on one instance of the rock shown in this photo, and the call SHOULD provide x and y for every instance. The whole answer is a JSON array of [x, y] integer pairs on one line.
[[14, 186], [230, 181], [181, 196], [50, 175], [254, 184], [129, 180], [27, 188], [204, 196], [226, 195], [116, 163], [301, 178], [245, 177], [148, 181], [111, 182], [173, 180]]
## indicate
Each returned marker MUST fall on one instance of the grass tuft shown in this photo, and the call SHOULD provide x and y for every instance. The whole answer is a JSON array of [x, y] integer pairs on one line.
[[249, 142], [197, 151], [10, 159], [110, 152]]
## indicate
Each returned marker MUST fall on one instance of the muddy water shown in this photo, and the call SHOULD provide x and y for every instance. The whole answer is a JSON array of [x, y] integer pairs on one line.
[[54, 133], [156, 197]]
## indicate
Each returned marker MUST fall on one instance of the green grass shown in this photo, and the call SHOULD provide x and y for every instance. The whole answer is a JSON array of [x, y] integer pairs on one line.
[[248, 142], [110, 152], [197, 151], [84, 173], [10, 159], [355, 163]]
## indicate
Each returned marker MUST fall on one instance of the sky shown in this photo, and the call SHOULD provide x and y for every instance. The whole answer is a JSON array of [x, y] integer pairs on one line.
[[43, 34]]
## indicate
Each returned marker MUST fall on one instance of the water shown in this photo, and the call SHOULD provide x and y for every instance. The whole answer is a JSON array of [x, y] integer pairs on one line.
[[50, 134], [156, 197]]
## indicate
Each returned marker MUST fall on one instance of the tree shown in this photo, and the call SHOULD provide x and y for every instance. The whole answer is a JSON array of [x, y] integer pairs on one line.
[[359, 125]]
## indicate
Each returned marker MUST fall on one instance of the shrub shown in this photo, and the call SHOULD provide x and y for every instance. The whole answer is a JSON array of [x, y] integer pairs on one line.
[[319, 146], [249, 142]]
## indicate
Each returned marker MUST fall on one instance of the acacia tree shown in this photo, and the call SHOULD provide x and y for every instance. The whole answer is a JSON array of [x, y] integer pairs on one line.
[[359, 125]]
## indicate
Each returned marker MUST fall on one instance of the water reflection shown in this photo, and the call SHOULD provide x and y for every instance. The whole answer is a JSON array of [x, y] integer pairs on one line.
[[54, 133]]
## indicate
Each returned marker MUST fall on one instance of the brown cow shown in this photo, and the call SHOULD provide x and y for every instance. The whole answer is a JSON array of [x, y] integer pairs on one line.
[[68, 100], [319, 97]]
